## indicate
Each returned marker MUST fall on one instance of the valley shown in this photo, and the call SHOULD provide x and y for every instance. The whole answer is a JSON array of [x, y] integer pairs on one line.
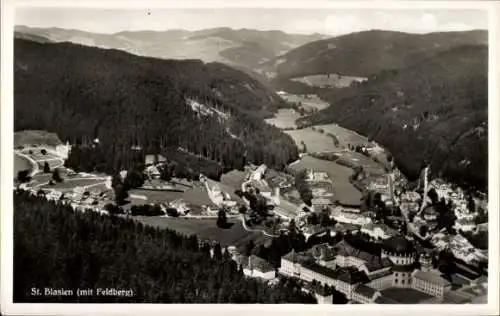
[[176, 149]]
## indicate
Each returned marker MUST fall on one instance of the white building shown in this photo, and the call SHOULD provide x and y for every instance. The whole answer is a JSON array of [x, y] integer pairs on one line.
[[350, 218], [377, 231]]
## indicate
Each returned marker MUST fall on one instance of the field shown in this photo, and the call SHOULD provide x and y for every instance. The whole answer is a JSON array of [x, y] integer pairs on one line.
[[331, 80], [344, 191], [194, 195], [233, 179], [207, 229], [70, 184], [284, 118], [20, 164], [309, 102], [226, 188], [35, 137], [315, 141], [345, 136]]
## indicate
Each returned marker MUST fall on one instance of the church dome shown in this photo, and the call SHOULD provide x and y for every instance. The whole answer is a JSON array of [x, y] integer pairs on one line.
[[398, 244]]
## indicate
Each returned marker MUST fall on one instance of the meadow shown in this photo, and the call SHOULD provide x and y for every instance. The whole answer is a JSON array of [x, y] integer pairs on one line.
[[328, 80], [310, 101], [284, 119], [194, 195], [233, 179], [20, 164], [72, 183], [315, 141], [206, 229], [344, 191]]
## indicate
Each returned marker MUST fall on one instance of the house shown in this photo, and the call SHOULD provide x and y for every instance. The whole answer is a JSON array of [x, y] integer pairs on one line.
[[258, 268], [378, 231], [316, 176], [350, 218], [152, 159], [153, 172], [180, 206]]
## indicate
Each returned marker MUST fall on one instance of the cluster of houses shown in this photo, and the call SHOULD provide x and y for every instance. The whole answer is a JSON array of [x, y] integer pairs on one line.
[[321, 189], [460, 247]]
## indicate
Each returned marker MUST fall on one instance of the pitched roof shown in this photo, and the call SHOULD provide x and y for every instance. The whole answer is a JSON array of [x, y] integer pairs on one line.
[[430, 277], [365, 291], [321, 270], [352, 276], [357, 247], [378, 263], [385, 300]]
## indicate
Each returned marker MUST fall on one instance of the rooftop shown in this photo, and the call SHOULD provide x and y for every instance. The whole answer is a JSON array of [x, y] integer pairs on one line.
[[399, 244], [395, 295], [430, 277], [365, 290]]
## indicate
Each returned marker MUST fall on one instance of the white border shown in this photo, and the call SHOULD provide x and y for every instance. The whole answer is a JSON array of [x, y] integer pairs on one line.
[[6, 170]]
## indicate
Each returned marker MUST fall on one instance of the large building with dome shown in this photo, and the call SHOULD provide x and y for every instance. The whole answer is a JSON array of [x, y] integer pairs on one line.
[[374, 270]]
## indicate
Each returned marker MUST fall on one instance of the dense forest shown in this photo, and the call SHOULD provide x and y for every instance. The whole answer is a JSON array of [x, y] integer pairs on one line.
[[59, 248], [367, 53], [435, 111], [82, 93]]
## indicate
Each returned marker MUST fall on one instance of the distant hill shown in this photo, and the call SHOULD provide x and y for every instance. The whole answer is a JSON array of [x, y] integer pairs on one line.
[[211, 110], [364, 54], [434, 110], [243, 48]]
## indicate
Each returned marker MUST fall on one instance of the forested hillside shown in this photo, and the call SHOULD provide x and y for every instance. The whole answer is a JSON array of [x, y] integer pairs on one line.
[[57, 248], [124, 100], [436, 110], [367, 53]]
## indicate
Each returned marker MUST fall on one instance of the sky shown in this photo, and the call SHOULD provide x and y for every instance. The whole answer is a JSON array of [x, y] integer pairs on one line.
[[324, 21]]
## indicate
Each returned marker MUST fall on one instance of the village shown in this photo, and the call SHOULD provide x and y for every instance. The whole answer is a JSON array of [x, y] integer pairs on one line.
[[387, 251]]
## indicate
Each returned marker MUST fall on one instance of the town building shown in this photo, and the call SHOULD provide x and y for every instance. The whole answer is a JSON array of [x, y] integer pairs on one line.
[[402, 254]]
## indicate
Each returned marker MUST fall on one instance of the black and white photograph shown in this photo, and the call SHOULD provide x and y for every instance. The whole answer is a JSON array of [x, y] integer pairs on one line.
[[249, 155]]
